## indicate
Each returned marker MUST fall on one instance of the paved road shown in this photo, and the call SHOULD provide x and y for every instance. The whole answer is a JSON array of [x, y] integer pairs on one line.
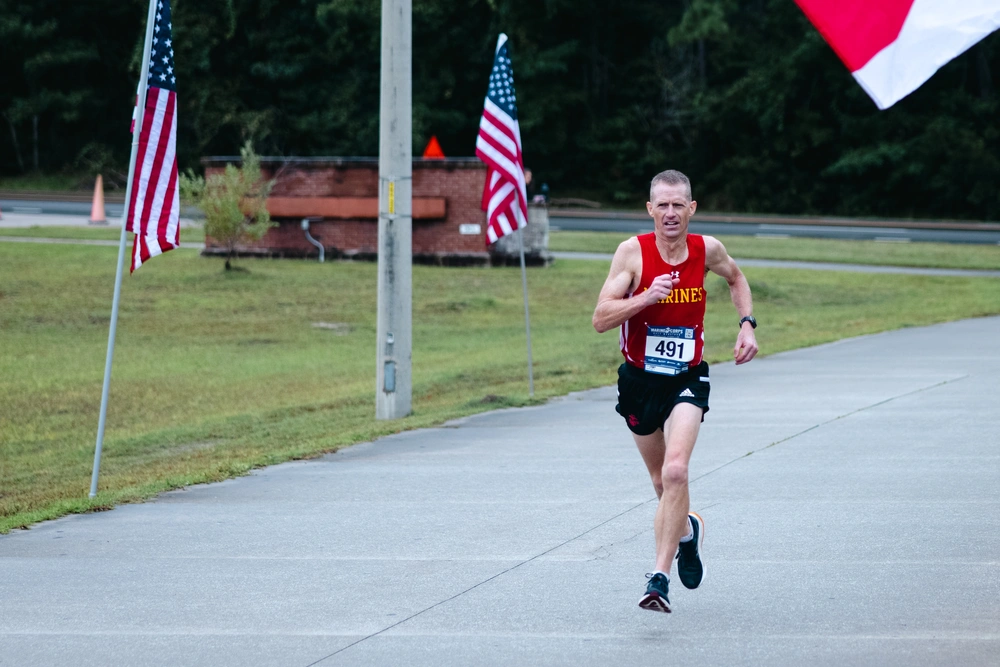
[[849, 493], [112, 209], [784, 227], [14, 219], [704, 223], [41, 220], [814, 266]]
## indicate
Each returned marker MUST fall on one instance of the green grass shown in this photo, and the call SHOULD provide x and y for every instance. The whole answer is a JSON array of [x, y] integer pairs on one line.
[[195, 234], [59, 182], [217, 373], [935, 255]]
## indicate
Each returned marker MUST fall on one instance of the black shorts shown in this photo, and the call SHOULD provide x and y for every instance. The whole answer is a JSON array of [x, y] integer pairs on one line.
[[645, 400]]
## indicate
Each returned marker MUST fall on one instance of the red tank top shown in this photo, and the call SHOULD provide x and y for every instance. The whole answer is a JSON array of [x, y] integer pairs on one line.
[[669, 335]]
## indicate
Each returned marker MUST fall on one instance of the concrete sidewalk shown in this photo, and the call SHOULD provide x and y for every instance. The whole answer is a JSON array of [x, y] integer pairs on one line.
[[24, 219], [851, 494]]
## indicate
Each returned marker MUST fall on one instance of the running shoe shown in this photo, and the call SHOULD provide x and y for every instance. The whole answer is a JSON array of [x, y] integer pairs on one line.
[[690, 569], [655, 598]]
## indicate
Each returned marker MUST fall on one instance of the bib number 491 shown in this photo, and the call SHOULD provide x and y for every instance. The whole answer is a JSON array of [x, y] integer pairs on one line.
[[669, 349]]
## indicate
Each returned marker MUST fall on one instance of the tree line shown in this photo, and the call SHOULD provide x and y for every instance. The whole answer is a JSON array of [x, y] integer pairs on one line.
[[742, 95]]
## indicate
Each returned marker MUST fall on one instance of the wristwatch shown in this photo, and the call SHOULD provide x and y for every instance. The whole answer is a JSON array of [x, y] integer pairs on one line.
[[751, 319]]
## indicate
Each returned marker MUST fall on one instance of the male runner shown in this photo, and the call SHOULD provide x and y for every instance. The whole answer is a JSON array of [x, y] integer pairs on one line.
[[656, 293]]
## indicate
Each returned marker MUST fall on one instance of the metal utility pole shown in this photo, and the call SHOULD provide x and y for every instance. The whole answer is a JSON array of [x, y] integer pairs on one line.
[[394, 382]]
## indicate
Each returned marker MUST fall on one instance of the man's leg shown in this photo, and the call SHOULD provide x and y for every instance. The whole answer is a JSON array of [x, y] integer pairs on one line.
[[652, 448], [666, 453], [679, 433]]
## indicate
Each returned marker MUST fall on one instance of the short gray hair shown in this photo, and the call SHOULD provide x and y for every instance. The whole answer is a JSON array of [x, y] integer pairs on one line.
[[671, 177]]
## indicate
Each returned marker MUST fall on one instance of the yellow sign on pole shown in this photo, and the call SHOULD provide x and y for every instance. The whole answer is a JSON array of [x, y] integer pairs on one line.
[[392, 197]]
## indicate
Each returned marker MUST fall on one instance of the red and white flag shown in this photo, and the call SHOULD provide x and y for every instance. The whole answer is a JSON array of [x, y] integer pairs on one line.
[[893, 46], [505, 196], [153, 213]]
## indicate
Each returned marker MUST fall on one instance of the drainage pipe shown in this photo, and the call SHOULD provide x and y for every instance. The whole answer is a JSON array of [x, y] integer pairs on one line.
[[305, 228]]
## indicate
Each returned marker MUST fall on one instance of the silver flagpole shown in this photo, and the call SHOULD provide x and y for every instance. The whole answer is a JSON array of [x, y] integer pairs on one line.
[[140, 107], [527, 320]]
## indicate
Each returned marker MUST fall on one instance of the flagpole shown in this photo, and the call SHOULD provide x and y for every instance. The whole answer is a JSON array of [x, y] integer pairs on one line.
[[527, 320], [140, 107]]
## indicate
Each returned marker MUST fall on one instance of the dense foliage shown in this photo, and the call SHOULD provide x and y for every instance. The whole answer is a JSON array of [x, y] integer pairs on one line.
[[743, 95]]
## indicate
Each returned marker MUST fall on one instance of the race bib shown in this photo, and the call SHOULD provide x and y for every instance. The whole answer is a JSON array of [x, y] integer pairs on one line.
[[669, 349]]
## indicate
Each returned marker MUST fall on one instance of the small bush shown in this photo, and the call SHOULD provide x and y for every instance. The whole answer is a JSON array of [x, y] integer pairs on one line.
[[234, 202]]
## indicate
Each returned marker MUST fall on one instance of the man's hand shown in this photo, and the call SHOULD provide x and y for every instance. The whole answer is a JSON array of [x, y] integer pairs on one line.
[[746, 345], [660, 289]]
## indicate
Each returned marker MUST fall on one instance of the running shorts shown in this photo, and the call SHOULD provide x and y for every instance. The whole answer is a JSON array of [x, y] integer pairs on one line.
[[645, 400]]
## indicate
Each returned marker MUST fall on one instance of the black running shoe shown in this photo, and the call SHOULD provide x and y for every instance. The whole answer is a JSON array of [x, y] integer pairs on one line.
[[655, 598], [690, 569]]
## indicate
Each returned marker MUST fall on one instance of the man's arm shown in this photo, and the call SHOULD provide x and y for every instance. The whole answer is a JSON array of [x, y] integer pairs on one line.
[[626, 268], [718, 261]]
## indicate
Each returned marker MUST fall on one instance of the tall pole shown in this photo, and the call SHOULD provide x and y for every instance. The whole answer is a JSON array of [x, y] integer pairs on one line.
[[395, 234], [140, 107], [527, 318]]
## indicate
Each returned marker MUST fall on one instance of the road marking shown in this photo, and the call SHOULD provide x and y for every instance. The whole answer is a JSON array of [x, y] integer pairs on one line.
[[22, 209], [99, 242], [885, 239]]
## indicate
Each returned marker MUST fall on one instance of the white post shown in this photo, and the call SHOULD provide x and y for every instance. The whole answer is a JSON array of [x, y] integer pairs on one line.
[[140, 107], [527, 319], [394, 380]]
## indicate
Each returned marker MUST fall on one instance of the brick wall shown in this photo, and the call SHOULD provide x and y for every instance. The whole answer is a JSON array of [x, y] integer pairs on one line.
[[458, 180]]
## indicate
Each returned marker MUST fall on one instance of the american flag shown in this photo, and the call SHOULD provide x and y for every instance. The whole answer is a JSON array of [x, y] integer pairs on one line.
[[154, 210], [505, 197]]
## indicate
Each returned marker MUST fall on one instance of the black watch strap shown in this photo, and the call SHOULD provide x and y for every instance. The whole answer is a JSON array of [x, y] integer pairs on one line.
[[751, 319]]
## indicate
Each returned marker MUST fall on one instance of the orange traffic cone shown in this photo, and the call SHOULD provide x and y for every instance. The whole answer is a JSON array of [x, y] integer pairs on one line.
[[97, 216], [433, 150]]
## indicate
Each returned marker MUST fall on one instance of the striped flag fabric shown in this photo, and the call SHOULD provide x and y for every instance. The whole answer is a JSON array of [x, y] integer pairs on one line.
[[153, 213], [505, 195], [893, 46]]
